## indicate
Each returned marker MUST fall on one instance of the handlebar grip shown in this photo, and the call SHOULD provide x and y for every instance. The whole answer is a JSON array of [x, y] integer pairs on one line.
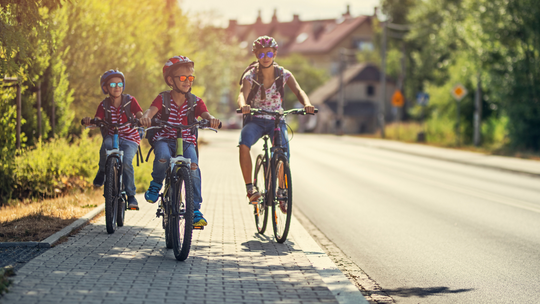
[[220, 124], [239, 111], [156, 122], [316, 111], [82, 122]]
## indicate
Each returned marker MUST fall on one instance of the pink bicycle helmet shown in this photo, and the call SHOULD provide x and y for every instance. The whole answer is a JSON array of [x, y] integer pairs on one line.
[[175, 61]]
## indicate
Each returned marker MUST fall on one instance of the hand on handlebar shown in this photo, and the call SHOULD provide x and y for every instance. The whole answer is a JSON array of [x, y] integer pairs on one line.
[[215, 123], [310, 109], [145, 122], [246, 109]]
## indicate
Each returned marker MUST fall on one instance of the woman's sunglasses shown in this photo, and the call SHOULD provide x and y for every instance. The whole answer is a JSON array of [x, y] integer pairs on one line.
[[114, 84], [268, 54], [184, 77]]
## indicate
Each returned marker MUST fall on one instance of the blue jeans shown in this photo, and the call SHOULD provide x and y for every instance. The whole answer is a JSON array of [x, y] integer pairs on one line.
[[164, 149], [130, 149], [257, 127]]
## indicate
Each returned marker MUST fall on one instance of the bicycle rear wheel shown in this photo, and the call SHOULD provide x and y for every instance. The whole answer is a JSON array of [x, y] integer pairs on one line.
[[121, 215], [282, 199], [167, 198], [260, 181], [181, 219], [111, 193]]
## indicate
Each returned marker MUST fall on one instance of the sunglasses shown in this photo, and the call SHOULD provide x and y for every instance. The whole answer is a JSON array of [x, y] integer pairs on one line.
[[184, 77], [268, 54], [114, 84]]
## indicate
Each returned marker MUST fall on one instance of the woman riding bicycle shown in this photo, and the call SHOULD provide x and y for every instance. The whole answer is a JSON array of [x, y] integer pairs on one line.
[[263, 77], [116, 109]]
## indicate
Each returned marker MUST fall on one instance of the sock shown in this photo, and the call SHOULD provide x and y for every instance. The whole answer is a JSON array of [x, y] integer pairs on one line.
[[249, 187]]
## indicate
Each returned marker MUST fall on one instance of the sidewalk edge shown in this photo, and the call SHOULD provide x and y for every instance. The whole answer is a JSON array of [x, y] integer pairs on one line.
[[340, 286], [51, 240]]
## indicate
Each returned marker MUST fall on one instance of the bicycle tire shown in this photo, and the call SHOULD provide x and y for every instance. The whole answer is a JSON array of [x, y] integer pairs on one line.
[[182, 214], [111, 192], [167, 196], [282, 205], [260, 181], [121, 215]]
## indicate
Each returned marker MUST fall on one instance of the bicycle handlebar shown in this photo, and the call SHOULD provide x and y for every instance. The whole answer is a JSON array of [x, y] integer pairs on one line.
[[202, 124], [278, 113], [101, 122]]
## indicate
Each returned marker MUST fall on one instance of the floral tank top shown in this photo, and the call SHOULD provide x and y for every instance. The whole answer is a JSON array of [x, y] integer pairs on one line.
[[273, 98]]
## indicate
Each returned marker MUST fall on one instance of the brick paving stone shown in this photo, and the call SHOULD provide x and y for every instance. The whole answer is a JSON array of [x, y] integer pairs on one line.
[[229, 262]]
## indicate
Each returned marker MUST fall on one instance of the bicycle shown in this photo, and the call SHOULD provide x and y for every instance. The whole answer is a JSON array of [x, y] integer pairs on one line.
[[176, 200], [115, 195], [272, 178]]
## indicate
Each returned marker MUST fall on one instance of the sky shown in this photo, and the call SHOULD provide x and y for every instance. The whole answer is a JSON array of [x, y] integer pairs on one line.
[[245, 11]]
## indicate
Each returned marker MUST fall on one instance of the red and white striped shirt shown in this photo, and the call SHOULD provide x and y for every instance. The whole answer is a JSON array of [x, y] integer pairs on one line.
[[178, 115], [118, 116]]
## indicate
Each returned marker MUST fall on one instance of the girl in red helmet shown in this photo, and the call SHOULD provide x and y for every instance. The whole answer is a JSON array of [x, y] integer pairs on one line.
[[178, 74], [117, 108], [269, 96]]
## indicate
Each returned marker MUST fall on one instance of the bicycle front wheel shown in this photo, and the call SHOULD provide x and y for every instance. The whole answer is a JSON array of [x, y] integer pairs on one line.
[[121, 214], [260, 181], [282, 199], [181, 219], [111, 193]]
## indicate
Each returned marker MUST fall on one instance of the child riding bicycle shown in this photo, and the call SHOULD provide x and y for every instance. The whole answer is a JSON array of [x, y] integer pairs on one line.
[[117, 108], [262, 87], [177, 106]]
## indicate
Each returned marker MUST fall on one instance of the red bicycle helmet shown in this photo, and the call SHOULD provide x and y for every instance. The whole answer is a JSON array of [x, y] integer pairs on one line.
[[264, 42], [175, 61]]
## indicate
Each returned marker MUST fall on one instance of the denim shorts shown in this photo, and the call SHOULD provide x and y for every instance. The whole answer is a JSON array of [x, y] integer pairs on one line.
[[257, 127]]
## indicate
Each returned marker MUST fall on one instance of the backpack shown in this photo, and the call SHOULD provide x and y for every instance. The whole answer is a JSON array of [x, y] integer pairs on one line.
[[278, 72], [166, 112], [126, 105]]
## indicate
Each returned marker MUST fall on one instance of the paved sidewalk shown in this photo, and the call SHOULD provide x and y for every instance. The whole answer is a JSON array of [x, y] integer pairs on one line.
[[229, 262]]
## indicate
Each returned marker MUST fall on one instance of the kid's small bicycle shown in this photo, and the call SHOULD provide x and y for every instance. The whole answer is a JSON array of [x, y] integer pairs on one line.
[[176, 200], [114, 192]]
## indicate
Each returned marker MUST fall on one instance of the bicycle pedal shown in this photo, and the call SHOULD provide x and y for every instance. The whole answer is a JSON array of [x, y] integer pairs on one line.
[[198, 227]]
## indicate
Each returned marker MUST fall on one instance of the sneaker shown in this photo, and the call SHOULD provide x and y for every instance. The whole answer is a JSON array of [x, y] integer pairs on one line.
[[152, 194], [253, 195], [132, 203], [198, 219], [282, 198], [99, 180]]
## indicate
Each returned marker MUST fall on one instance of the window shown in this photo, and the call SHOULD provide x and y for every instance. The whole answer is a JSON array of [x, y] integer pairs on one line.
[[363, 45], [370, 90]]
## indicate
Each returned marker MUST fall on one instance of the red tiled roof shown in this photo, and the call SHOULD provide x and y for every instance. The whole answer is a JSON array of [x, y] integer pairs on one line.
[[322, 35]]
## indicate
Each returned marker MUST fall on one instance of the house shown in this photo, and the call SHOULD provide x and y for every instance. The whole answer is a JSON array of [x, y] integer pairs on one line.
[[318, 40], [362, 101]]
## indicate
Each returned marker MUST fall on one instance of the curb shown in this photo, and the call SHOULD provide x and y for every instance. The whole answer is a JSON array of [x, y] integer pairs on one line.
[[53, 239], [340, 286]]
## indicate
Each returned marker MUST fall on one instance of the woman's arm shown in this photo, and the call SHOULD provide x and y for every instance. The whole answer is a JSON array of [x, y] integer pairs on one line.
[[242, 97], [300, 94]]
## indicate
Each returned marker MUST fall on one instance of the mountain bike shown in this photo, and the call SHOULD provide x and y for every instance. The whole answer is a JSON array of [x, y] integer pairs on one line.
[[176, 200], [114, 192], [272, 178]]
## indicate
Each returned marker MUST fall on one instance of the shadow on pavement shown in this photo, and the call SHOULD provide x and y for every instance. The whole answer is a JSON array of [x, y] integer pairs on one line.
[[423, 292]]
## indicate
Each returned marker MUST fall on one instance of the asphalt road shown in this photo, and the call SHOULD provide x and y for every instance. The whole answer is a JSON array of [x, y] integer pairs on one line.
[[427, 231]]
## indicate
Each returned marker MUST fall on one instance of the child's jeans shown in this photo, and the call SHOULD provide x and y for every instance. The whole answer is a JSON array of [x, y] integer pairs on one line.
[[164, 149]]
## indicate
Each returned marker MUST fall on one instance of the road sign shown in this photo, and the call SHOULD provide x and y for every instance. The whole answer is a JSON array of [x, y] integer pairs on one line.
[[397, 99], [422, 98], [459, 91]]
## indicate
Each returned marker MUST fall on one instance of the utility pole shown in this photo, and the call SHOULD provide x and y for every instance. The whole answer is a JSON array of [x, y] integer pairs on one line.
[[382, 109], [341, 100], [477, 112]]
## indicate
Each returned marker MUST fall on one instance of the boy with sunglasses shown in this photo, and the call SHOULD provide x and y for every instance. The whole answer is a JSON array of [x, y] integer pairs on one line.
[[118, 108], [178, 74], [262, 86]]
